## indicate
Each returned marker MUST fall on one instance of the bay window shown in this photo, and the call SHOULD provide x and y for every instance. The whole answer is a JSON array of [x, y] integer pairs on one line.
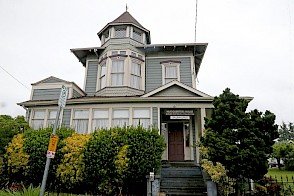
[[120, 117], [136, 75], [100, 119], [80, 121], [102, 78], [117, 73]]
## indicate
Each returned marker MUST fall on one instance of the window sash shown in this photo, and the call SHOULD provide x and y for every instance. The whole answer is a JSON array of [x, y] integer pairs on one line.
[[171, 72], [81, 114], [120, 32], [144, 122], [37, 123], [135, 81], [81, 125], [137, 36], [99, 124], [39, 115]]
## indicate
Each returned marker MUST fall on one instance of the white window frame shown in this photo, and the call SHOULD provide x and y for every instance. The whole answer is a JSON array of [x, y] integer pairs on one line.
[[139, 116], [83, 119], [104, 76], [124, 118], [170, 64], [102, 117], [117, 73], [136, 76], [40, 119]]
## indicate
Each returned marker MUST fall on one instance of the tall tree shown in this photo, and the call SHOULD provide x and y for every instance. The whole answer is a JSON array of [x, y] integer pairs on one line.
[[286, 132], [239, 140]]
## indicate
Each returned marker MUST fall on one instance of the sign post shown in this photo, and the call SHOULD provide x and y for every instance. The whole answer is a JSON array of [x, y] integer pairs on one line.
[[54, 138]]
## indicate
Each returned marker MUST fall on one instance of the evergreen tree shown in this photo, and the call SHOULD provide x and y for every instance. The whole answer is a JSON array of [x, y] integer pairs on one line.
[[239, 140]]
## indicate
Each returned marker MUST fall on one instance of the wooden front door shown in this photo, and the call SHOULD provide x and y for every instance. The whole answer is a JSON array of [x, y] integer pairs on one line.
[[175, 142]]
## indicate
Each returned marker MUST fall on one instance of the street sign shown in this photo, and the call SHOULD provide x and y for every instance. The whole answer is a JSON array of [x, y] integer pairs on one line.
[[63, 96], [52, 146]]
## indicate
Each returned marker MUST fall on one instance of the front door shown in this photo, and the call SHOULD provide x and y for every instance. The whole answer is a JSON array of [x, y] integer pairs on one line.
[[175, 142]]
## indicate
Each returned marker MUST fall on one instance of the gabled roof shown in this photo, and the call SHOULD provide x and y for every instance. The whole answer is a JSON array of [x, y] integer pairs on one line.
[[51, 79], [176, 83]]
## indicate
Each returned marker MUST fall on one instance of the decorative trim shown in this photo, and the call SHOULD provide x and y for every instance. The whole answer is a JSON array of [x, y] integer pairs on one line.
[[132, 56], [170, 61], [118, 55]]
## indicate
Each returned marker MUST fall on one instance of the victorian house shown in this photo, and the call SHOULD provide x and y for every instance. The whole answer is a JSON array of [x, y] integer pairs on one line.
[[129, 81]]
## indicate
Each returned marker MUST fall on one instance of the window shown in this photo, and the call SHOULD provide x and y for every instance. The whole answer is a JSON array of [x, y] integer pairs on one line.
[[117, 73], [136, 75], [137, 36], [120, 32], [141, 116], [120, 118], [100, 119], [38, 119], [170, 72], [102, 76], [80, 121], [51, 118]]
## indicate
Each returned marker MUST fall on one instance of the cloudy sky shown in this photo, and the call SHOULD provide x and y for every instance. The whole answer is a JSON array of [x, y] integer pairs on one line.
[[250, 44]]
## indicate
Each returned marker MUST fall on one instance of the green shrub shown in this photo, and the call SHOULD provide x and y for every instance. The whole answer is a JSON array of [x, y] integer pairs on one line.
[[121, 157], [36, 145], [71, 170], [30, 191]]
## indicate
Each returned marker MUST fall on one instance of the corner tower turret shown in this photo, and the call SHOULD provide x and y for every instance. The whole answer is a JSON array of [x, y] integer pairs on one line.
[[124, 29]]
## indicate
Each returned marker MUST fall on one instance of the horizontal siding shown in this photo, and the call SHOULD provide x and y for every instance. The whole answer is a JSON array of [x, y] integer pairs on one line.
[[91, 78], [154, 72], [46, 94], [175, 91], [76, 94], [66, 118], [155, 117]]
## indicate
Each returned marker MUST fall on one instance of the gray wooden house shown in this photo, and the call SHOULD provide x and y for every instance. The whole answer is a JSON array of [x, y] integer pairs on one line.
[[129, 81]]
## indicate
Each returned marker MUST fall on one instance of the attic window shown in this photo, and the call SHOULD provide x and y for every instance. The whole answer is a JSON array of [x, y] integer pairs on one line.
[[120, 32], [170, 71]]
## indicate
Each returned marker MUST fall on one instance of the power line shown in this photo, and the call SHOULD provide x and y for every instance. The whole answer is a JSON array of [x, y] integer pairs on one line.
[[14, 78]]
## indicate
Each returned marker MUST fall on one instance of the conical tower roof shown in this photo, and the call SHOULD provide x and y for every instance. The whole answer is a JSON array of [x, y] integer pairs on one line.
[[126, 19]]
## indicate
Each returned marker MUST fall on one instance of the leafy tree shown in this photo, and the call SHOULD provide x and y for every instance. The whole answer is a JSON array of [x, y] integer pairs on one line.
[[239, 140], [286, 132], [9, 127], [283, 151]]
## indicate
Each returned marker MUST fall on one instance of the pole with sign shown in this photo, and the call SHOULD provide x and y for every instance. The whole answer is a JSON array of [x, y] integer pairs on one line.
[[54, 138]]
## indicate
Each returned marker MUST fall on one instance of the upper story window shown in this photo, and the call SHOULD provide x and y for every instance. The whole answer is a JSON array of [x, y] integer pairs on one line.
[[170, 71], [120, 32], [136, 77], [102, 78], [80, 121], [38, 119], [100, 119], [117, 72], [137, 35]]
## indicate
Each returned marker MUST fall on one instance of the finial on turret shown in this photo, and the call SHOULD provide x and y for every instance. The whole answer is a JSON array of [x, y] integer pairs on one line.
[[126, 7]]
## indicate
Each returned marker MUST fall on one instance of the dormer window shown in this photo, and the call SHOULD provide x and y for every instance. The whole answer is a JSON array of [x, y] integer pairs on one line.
[[120, 32], [117, 72], [170, 71]]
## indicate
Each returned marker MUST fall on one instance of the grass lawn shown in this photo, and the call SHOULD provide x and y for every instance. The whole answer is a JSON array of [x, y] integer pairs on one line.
[[277, 174]]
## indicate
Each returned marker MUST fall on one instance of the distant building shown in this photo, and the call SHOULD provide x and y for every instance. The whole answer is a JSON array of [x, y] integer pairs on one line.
[[129, 81]]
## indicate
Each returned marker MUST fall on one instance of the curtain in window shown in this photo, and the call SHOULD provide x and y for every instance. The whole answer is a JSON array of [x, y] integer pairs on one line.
[[117, 73], [136, 75], [51, 119], [81, 125], [80, 122], [100, 119], [38, 119], [141, 116], [120, 118], [170, 73]]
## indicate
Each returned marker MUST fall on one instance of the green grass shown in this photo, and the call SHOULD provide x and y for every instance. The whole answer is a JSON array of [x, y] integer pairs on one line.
[[277, 174]]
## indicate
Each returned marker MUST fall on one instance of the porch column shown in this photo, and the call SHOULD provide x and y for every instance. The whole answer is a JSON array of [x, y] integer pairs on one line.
[[202, 122]]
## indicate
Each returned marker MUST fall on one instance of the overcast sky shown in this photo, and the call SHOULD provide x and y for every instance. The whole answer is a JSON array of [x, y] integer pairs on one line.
[[250, 44]]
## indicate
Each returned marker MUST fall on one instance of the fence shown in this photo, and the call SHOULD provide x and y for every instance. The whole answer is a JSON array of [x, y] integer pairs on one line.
[[268, 186]]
